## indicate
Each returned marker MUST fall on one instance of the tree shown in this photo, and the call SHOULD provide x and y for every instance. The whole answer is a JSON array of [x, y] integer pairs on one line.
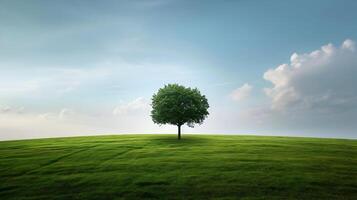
[[177, 105]]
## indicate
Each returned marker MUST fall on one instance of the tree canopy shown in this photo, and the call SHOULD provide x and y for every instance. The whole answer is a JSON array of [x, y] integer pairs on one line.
[[177, 105]]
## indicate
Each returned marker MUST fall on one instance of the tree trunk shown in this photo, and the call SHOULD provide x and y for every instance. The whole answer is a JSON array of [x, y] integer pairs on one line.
[[179, 132]]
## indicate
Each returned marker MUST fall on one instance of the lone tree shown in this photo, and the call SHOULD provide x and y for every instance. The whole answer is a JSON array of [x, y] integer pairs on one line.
[[177, 105]]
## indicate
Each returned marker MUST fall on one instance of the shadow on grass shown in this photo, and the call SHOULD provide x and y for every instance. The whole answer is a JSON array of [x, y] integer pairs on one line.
[[185, 140]]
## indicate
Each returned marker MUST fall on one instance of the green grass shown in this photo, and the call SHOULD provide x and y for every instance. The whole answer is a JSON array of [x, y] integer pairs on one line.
[[197, 167]]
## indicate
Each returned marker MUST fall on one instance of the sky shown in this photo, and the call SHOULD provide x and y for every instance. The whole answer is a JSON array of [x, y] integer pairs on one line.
[[277, 67]]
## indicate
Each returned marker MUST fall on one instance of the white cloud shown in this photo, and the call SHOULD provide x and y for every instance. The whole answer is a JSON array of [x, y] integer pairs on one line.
[[323, 80], [348, 44], [242, 92], [65, 113], [312, 95], [5, 109], [137, 105], [45, 116], [14, 110]]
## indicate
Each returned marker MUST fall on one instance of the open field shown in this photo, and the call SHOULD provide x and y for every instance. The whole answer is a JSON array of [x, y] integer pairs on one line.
[[197, 167]]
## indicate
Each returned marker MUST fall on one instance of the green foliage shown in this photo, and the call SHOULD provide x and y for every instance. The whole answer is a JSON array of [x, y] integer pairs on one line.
[[160, 167], [177, 105]]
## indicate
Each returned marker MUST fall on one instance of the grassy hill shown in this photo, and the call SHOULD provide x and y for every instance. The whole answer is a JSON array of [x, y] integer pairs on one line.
[[197, 167]]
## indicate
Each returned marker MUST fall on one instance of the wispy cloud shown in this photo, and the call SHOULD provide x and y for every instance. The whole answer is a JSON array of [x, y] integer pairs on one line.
[[138, 105], [242, 92]]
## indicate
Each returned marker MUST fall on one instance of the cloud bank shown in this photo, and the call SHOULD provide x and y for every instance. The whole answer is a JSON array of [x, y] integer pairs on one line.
[[323, 80], [315, 93]]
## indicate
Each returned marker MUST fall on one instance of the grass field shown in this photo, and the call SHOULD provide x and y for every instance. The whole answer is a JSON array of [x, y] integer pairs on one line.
[[197, 167]]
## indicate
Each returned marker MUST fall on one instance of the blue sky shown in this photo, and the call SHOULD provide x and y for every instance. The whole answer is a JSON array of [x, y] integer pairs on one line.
[[90, 67]]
